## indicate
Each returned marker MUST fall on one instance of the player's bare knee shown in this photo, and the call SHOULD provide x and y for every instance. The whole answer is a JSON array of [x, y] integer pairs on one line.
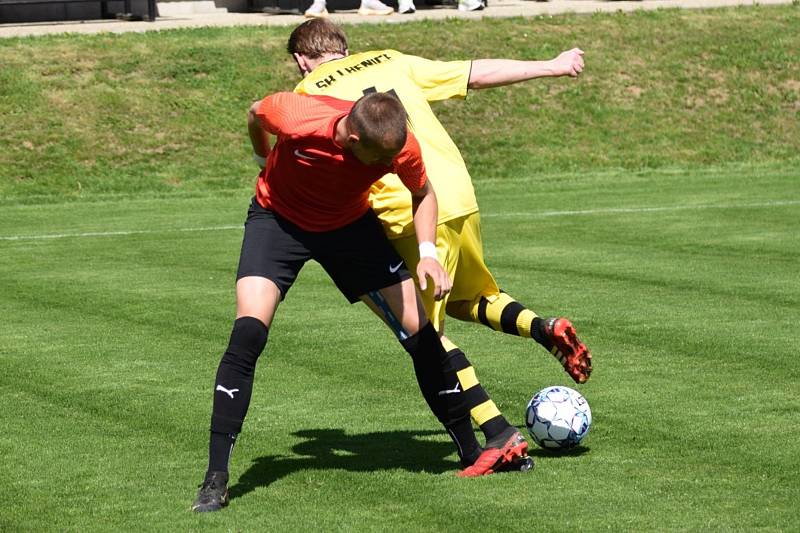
[[380, 305], [257, 297]]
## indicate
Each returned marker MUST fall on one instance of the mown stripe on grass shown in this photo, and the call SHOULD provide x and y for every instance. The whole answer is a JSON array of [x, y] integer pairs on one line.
[[519, 214], [618, 210], [115, 233]]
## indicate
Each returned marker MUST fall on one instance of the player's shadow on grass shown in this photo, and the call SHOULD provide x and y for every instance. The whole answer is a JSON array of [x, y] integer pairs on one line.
[[326, 449]]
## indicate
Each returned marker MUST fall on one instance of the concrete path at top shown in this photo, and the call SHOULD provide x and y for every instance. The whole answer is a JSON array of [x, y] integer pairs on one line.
[[496, 8]]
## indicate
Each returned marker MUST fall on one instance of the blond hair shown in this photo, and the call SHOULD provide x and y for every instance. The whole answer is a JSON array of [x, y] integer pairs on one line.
[[317, 37]]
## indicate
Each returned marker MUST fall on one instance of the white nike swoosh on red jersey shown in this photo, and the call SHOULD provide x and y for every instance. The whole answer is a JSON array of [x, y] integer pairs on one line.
[[301, 155]]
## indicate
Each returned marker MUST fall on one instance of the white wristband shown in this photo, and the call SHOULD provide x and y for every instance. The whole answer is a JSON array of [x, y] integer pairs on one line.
[[427, 249], [260, 161]]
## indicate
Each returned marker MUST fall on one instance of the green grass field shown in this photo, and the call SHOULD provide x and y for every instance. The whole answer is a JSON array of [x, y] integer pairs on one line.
[[669, 233]]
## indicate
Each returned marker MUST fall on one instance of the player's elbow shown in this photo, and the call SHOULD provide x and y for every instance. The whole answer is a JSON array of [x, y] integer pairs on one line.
[[252, 113]]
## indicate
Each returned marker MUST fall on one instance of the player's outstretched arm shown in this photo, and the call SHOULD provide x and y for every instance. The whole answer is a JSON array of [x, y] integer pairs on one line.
[[426, 209], [498, 72]]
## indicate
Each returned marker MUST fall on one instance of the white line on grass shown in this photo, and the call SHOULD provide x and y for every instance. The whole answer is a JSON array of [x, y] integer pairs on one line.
[[114, 233], [615, 210], [528, 214]]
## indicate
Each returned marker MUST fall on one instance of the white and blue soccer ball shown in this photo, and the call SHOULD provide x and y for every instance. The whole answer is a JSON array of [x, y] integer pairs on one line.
[[558, 417]]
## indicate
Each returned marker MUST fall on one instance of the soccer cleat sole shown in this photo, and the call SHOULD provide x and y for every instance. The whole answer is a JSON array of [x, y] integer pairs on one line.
[[523, 464], [526, 465], [210, 507], [579, 365], [520, 464]]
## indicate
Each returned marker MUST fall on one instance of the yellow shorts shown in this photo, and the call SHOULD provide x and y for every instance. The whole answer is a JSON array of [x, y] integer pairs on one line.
[[460, 250]]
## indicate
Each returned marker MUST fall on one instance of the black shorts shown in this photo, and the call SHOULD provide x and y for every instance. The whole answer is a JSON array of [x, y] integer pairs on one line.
[[357, 257]]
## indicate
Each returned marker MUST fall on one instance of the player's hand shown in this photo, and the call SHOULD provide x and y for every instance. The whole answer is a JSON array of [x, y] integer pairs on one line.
[[429, 267], [569, 63]]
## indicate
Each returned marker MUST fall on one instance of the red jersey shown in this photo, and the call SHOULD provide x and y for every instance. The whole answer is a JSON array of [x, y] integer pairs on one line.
[[309, 179]]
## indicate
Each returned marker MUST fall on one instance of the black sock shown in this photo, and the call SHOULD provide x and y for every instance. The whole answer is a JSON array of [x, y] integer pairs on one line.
[[538, 334], [494, 427], [220, 447], [233, 387], [464, 437]]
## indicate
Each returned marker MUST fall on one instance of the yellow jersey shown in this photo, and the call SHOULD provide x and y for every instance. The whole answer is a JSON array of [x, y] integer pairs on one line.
[[415, 81]]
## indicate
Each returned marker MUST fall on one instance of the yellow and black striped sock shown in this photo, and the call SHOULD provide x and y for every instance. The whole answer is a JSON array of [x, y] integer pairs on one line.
[[441, 389], [501, 313], [481, 408]]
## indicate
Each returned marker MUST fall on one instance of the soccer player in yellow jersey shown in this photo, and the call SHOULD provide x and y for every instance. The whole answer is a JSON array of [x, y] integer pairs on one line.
[[320, 49]]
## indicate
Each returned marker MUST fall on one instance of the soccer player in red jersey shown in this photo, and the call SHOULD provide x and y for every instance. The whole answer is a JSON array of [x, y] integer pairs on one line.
[[312, 202]]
